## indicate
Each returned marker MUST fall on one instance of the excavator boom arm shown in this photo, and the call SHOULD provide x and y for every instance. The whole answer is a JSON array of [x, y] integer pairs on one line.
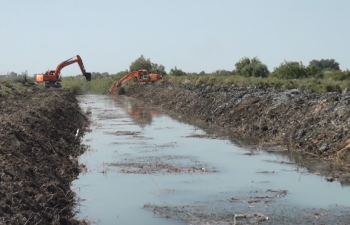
[[71, 61], [122, 81]]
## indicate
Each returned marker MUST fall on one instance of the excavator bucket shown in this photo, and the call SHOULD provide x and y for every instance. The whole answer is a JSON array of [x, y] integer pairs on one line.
[[88, 76]]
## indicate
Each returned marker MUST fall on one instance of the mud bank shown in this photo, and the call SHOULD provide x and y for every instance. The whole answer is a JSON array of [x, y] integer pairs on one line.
[[38, 149], [317, 124]]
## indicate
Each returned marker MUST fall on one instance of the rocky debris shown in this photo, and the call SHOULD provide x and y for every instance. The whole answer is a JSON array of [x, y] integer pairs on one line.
[[39, 144], [314, 123]]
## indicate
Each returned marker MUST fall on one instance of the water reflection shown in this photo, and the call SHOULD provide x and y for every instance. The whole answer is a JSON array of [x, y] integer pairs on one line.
[[332, 171], [140, 114]]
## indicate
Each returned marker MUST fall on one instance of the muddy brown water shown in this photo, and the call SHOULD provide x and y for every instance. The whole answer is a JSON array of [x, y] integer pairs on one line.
[[145, 167]]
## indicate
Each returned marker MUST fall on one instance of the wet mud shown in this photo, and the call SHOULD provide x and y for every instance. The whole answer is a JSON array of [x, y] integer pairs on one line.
[[262, 207], [40, 135], [175, 164]]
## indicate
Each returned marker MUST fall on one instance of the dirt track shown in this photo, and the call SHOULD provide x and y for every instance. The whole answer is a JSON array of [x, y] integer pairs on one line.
[[38, 149]]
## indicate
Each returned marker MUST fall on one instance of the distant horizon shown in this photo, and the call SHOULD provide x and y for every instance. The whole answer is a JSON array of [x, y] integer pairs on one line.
[[194, 36], [19, 73]]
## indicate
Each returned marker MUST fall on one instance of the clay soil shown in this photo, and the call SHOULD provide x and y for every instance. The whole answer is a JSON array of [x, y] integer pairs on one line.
[[39, 145]]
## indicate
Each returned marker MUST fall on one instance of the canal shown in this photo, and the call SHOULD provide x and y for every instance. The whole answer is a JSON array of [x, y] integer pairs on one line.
[[146, 167]]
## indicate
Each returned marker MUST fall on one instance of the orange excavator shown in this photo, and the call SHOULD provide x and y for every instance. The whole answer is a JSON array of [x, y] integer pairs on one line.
[[141, 76], [52, 78]]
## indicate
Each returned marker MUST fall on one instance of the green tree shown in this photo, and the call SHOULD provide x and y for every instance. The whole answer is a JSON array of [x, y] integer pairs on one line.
[[223, 72], [143, 63], [12, 74], [314, 71], [158, 69], [24, 75], [251, 67], [241, 64], [296, 70], [325, 64], [177, 72], [95, 75], [290, 70]]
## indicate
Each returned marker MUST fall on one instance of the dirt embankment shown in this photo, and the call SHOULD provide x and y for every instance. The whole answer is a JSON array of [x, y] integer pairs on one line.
[[38, 150], [314, 123]]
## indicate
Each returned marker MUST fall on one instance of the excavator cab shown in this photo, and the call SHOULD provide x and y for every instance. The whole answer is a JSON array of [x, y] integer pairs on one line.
[[143, 74]]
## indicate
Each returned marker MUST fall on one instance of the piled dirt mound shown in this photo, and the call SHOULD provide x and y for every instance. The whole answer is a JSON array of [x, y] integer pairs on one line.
[[38, 149], [315, 123]]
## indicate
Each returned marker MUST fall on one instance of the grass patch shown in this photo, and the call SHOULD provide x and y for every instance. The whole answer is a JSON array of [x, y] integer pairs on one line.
[[99, 85]]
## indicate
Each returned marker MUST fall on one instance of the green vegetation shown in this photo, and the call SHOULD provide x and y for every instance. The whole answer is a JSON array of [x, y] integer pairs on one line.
[[251, 68], [17, 79], [98, 84], [325, 64], [177, 72], [311, 84], [13, 84], [319, 76], [296, 70], [143, 63]]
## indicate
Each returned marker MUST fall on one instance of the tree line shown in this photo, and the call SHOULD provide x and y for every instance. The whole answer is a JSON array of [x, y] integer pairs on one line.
[[253, 67], [247, 67]]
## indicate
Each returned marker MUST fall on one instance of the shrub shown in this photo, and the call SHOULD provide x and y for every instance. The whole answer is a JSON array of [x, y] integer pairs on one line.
[[325, 64], [338, 75], [222, 72], [314, 71], [143, 63], [290, 70], [177, 72], [251, 67], [296, 70], [259, 70]]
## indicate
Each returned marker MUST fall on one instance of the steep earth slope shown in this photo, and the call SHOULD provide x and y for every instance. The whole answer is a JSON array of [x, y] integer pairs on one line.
[[39, 144]]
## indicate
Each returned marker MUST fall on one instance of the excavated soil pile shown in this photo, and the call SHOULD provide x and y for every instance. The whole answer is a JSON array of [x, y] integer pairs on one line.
[[39, 145], [311, 122]]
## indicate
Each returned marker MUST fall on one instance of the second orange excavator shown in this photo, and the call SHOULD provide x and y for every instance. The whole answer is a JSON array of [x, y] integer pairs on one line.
[[141, 76], [52, 78]]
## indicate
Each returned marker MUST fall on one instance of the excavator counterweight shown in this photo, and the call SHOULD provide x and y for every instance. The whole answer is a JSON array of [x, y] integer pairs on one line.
[[52, 78]]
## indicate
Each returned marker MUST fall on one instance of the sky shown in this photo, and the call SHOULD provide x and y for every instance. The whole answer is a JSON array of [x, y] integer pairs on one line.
[[193, 35]]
